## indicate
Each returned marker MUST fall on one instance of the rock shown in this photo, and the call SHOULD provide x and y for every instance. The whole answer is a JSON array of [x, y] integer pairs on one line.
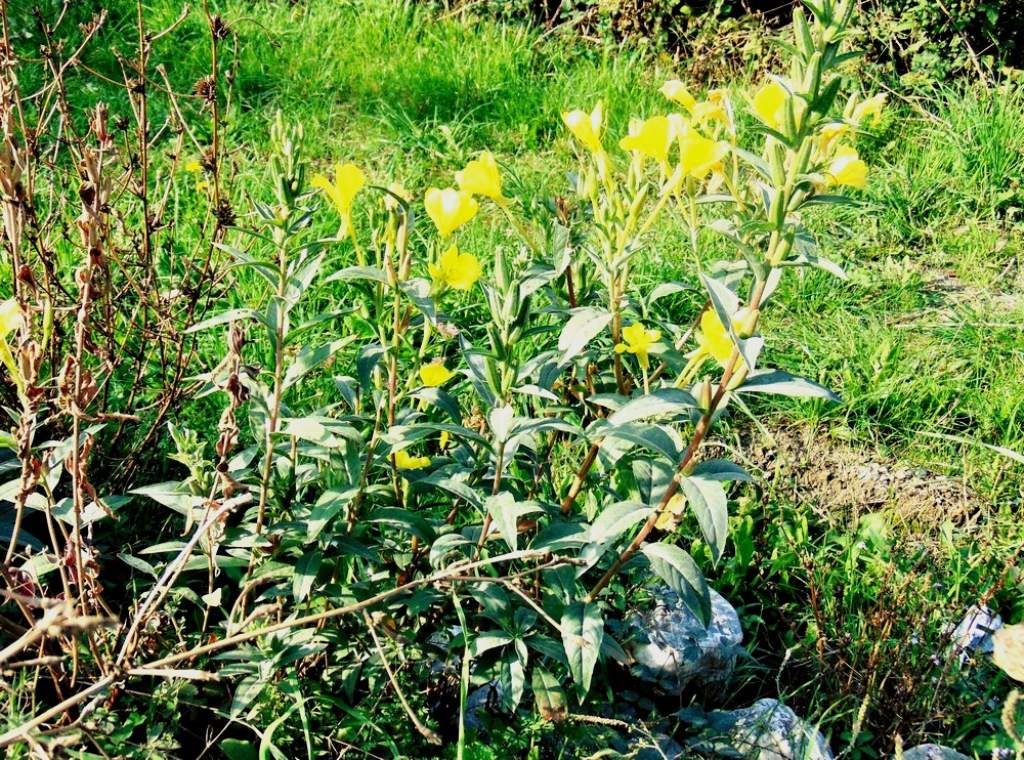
[[673, 649], [932, 752], [482, 701], [767, 730], [974, 633], [657, 747]]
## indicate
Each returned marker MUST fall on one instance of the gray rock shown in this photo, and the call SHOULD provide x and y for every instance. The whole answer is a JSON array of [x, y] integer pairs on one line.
[[932, 752], [767, 730], [485, 700], [974, 633], [673, 649]]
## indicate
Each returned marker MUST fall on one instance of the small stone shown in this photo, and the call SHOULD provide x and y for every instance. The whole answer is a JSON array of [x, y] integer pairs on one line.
[[767, 730], [932, 752], [485, 700], [673, 649], [974, 633]]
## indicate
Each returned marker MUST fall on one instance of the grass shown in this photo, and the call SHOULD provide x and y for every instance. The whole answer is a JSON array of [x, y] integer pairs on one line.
[[924, 338]]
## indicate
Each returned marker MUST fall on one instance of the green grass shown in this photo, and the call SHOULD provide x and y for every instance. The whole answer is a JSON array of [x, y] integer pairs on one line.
[[926, 336]]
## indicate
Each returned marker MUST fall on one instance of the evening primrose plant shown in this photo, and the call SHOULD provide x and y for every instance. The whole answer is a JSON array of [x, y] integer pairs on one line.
[[446, 443]]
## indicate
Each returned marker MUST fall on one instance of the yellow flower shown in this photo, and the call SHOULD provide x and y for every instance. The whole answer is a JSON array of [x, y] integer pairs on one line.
[[699, 155], [435, 374], [586, 127], [870, 109], [444, 441], [11, 317], [676, 91], [848, 169], [770, 104], [481, 177], [1008, 650], [202, 186], [193, 166], [830, 134], [455, 270], [449, 209], [671, 515], [651, 138], [348, 181], [713, 339], [638, 340], [405, 461]]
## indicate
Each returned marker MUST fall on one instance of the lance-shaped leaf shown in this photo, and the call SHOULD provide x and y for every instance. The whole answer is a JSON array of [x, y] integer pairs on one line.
[[781, 383], [581, 328], [549, 696], [305, 574], [582, 635], [309, 358], [707, 499], [506, 511], [617, 519], [680, 572], [660, 403], [652, 437]]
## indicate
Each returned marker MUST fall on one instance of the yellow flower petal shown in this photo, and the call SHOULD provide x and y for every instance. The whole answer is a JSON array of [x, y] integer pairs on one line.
[[869, 110], [651, 138], [770, 103], [435, 374], [11, 317], [1008, 650], [586, 128], [481, 177], [193, 165], [638, 340], [699, 155], [676, 91], [714, 340], [848, 169], [455, 270], [449, 209], [348, 181], [405, 461]]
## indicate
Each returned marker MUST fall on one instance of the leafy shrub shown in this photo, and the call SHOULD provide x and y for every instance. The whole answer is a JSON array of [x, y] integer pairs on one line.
[[929, 39]]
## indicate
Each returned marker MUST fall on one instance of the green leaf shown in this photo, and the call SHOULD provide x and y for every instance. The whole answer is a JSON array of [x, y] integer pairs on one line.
[[310, 358], [582, 634], [651, 437], [349, 274], [305, 574], [721, 469], [506, 511], [236, 749], [680, 572], [581, 328], [403, 520], [617, 519], [548, 696], [660, 403], [781, 383], [247, 690], [707, 499], [231, 315], [487, 641]]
